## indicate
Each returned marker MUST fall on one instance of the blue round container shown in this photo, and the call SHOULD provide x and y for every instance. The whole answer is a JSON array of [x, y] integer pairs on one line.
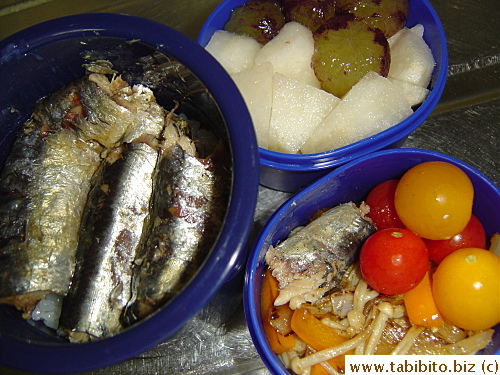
[[290, 172], [41, 59], [350, 182]]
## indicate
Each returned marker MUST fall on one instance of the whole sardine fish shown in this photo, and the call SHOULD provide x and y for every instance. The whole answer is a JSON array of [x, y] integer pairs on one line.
[[110, 235], [313, 259], [124, 220], [189, 203], [46, 180]]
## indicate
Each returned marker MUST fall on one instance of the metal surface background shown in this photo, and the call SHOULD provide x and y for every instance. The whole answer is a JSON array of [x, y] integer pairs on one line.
[[465, 124]]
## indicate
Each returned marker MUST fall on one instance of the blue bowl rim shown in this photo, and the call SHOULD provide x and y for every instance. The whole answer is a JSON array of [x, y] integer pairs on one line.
[[251, 310], [329, 159], [239, 219]]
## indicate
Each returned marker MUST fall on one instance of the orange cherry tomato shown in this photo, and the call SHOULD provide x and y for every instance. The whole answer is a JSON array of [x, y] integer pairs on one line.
[[466, 288], [434, 200]]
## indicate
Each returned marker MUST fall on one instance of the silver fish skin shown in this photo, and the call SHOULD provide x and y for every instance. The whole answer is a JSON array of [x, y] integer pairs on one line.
[[43, 188], [46, 179], [313, 259], [110, 235], [189, 203]]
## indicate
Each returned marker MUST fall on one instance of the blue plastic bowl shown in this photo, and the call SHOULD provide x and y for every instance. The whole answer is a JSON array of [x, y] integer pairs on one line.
[[290, 172], [39, 60], [350, 182]]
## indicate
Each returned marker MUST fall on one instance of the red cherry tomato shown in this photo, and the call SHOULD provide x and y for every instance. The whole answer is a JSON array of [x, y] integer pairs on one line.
[[393, 260], [472, 236], [381, 202]]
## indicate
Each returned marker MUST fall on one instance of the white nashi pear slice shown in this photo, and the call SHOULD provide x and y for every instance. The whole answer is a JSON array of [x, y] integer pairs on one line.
[[298, 108], [256, 87], [233, 51], [290, 52], [371, 106], [414, 94], [411, 57]]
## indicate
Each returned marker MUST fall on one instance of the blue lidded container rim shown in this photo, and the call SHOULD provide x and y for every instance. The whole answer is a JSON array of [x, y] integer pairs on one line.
[[288, 210], [329, 159], [230, 247]]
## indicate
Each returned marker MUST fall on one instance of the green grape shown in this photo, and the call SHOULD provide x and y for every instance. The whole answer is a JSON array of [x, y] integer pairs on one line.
[[310, 13], [261, 19], [387, 15], [345, 50]]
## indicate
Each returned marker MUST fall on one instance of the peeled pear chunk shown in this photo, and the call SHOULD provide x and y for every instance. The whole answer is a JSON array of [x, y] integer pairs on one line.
[[414, 94], [372, 105], [411, 57], [289, 110], [290, 52], [256, 87], [298, 108], [234, 52]]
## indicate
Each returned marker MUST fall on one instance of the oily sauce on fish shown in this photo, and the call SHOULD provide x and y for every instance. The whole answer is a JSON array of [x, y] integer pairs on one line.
[[99, 180], [313, 259]]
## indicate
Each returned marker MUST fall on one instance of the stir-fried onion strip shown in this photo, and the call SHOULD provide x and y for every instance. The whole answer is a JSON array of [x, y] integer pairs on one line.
[[495, 244], [406, 343], [467, 346], [356, 319], [300, 364]]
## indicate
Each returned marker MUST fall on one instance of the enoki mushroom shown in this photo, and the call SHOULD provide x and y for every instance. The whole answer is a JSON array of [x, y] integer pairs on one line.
[[366, 325]]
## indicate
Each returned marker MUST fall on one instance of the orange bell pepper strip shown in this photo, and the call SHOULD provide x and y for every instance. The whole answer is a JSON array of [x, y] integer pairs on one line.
[[279, 343], [273, 339], [317, 334], [288, 341], [420, 305], [318, 370]]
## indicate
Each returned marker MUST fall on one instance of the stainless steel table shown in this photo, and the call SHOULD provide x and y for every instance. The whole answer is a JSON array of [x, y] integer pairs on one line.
[[465, 124]]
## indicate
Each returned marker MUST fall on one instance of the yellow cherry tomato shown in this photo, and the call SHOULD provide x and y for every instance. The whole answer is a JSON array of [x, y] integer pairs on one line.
[[434, 200], [466, 288]]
